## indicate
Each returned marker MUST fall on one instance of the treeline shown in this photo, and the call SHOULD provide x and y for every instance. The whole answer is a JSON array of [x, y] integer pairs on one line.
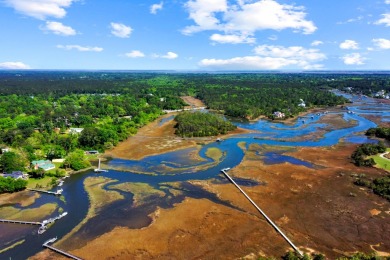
[[380, 132], [360, 83], [364, 150], [380, 186], [8, 185], [200, 124], [245, 95]]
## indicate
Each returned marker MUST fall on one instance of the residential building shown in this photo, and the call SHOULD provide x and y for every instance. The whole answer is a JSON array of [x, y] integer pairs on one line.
[[75, 130], [279, 114], [46, 165], [15, 175]]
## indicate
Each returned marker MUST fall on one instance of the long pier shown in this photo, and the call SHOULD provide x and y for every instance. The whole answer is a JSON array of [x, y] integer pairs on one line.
[[57, 192], [21, 222], [262, 213], [46, 244]]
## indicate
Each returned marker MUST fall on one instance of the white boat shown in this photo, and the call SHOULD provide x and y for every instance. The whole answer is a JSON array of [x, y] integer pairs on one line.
[[98, 169]]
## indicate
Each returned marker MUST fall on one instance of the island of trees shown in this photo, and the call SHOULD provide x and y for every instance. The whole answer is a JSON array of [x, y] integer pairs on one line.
[[199, 124]]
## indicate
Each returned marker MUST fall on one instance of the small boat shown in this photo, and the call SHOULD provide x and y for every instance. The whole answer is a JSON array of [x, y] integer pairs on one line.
[[98, 169]]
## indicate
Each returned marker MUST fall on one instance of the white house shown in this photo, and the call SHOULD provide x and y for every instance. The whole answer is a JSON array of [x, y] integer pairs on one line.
[[279, 114], [75, 130]]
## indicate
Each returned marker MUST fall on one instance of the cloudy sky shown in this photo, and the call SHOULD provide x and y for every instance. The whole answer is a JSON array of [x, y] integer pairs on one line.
[[195, 34]]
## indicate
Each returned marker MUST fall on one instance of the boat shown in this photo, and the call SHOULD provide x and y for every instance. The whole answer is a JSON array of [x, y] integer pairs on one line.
[[98, 169]]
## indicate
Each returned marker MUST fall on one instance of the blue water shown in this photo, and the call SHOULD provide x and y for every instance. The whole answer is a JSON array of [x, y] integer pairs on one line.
[[163, 171], [276, 158]]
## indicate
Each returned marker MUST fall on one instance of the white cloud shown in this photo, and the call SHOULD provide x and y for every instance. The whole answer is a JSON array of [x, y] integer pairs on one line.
[[352, 20], [80, 48], [58, 28], [353, 59], [245, 17], [246, 63], [382, 43], [273, 38], [297, 53], [120, 30], [135, 54], [349, 45], [170, 55], [232, 38], [387, 2], [14, 65], [385, 20], [270, 57], [316, 43], [156, 7], [40, 9]]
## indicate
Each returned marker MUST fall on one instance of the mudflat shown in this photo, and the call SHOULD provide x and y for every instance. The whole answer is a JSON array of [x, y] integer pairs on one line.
[[319, 209], [156, 138]]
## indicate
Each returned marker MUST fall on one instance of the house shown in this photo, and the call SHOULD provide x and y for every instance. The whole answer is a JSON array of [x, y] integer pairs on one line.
[[46, 165], [16, 175], [302, 104], [92, 152], [279, 114], [4, 150], [75, 130]]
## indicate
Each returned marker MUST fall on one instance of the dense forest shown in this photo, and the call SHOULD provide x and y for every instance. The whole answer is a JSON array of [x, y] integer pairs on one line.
[[39, 109], [199, 124]]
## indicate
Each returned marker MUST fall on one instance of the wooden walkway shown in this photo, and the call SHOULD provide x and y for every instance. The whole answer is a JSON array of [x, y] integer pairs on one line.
[[57, 192], [262, 213], [20, 222], [46, 244]]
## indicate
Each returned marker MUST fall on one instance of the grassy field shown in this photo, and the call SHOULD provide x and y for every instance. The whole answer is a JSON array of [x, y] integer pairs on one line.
[[382, 163], [44, 182]]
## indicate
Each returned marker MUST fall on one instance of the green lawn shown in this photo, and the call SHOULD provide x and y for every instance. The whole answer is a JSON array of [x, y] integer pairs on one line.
[[44, 182], [382, 162]]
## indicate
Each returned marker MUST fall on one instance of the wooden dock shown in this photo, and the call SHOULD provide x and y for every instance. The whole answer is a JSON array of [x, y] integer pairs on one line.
[[57, 192], [46, 244], [262, 213], [21, 222]]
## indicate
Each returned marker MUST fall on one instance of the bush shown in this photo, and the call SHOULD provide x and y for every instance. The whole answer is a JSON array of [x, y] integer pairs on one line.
[[11, 185]]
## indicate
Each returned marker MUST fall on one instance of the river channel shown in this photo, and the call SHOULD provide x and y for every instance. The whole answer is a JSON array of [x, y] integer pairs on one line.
[[175, 170]]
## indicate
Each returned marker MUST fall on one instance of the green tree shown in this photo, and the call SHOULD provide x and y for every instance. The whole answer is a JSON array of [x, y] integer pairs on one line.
[[12, 161], [77, 160]]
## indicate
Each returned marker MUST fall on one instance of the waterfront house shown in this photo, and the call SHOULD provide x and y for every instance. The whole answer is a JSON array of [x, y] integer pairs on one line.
[[15, 175], [302, 104], [46, 165], [279, 114]]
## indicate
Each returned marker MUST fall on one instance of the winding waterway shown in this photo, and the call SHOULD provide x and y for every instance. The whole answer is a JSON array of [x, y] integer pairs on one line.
[[174, 170]]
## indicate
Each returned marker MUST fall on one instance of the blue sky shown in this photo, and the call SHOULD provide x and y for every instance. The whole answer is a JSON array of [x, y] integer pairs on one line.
[[195, 34]]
